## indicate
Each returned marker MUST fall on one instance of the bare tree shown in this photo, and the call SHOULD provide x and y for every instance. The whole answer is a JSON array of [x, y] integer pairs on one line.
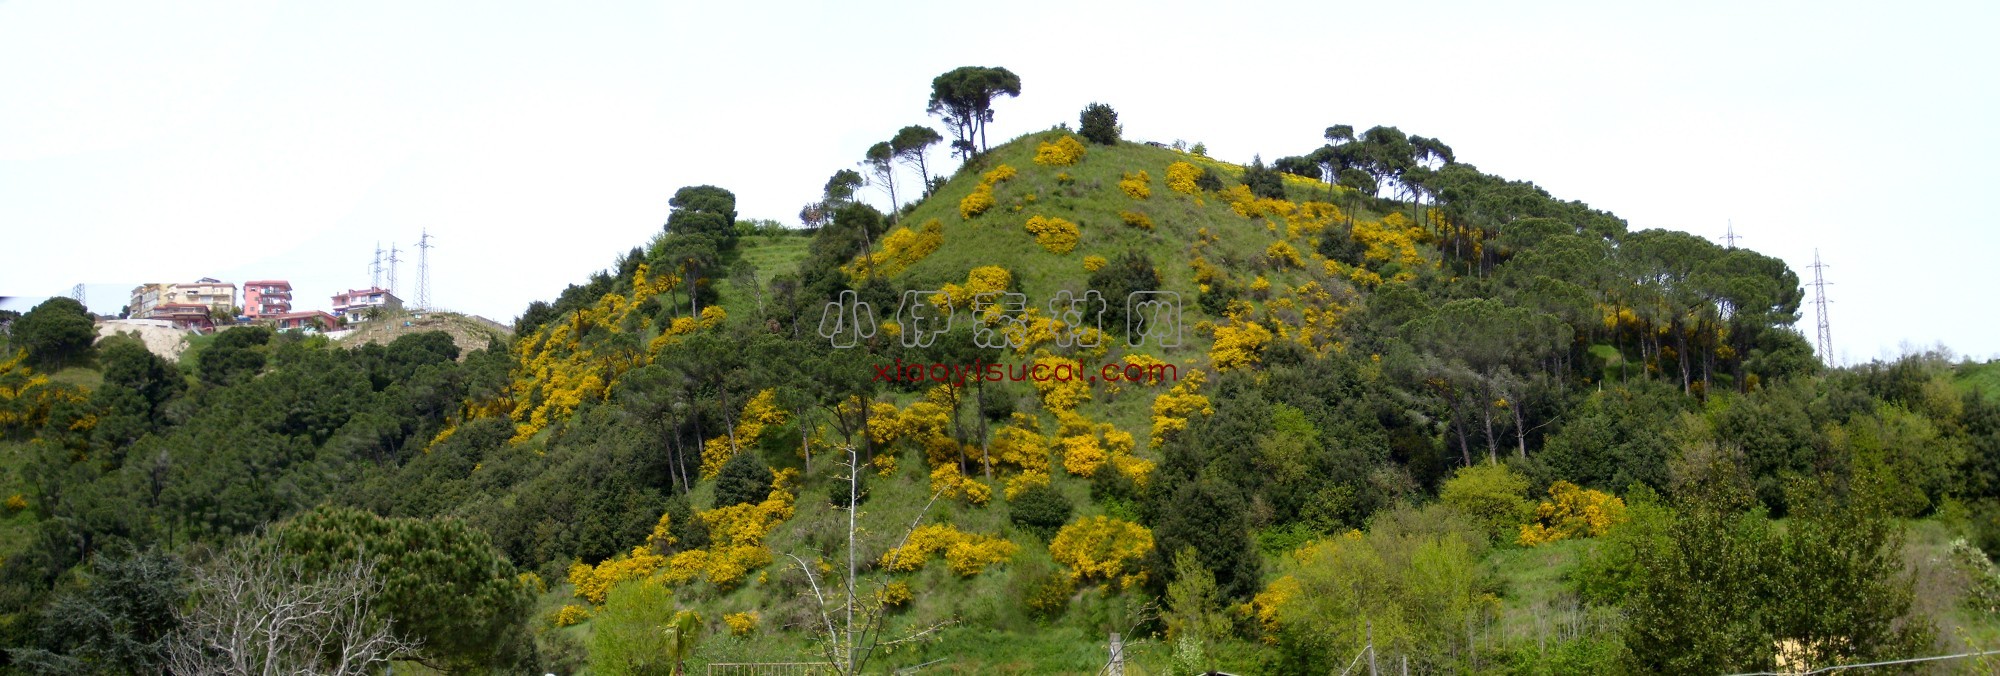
[[255, 614], [850, 623]]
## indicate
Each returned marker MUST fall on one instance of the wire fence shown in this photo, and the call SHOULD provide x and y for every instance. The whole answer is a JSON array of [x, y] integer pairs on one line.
[[767, 669]]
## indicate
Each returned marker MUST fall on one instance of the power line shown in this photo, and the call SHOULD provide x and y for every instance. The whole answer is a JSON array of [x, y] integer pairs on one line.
[[1912, 660], [1819, 303]]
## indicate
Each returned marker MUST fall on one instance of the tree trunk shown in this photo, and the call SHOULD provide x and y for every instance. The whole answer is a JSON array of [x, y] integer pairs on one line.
[[1680, 337], [674, 455], [1520, 429], [805, 442], [699, 438], [1486, 414], [985, 450], [1458, 425], [867, 444]]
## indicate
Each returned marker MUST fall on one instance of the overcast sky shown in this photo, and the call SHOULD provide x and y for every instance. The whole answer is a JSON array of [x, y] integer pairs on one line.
[[170, 141]]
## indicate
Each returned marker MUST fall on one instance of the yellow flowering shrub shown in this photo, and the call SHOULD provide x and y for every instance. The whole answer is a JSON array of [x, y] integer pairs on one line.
[[1136, 219], [1263, 608], [977, 202], [592, 583], [741, 624], [894, 595], [885, 423], [1063, 152], [982, 279], [1024, 481], [16, 502], [1391, 239], [571, 614], [1055, 234], [951, 484], [1283, 254], [1172, 410], [761, 413], [1103, 548], [1065, 386], [736, 535], [1082, 455], [900, 250], [28, 398], [1149, 370], [971, 556], [885, 464], [1093, 263], [968, 554], [1572, 512], [1239, 344], [1139, 469], [1183, 178], [998, 174], [553, 373], [1137, 185], [1021, 445]]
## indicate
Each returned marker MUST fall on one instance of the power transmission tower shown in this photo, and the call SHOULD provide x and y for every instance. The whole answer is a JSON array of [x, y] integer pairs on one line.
[[394, 258], [1731, 236], [77, 294], [375, 268], [1819, 303], [424, 270]]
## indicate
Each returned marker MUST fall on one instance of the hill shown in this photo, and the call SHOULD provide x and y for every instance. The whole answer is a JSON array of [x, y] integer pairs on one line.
[[1427, 414], [469, 332]]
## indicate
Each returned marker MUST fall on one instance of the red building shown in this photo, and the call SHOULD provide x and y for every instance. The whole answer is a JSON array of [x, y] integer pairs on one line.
[[267, 298], [184, 315], [310, 320]]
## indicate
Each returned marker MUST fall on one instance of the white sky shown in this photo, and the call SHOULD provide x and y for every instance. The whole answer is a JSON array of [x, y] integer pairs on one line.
[[537, 141]]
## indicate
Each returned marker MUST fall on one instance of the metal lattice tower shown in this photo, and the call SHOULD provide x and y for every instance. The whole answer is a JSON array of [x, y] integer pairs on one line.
[[375, 268], [395, 256], [424, 270], [77, 295], [1731, 236], [1819, 304]]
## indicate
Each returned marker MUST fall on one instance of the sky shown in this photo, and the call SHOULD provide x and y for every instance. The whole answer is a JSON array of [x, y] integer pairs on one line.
[[535, 142]]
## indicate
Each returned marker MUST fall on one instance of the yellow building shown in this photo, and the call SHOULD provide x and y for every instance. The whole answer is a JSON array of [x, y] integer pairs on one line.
[[208, 291]]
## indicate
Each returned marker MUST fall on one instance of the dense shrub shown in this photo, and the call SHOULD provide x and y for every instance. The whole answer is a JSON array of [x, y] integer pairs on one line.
[[1040, 510], [744, 480]]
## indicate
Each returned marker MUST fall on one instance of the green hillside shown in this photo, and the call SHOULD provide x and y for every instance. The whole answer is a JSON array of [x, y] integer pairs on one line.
[[1427, 416]]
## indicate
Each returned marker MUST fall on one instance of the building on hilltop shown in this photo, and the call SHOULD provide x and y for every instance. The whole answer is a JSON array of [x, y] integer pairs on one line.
[[353, 305], [145, 297], [310, 321], [267, 298], [208, 291], [153, 301], [194, 316]]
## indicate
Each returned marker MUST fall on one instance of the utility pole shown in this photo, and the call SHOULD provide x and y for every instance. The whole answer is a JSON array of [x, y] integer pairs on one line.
[[1819, 304], [424, 270]]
